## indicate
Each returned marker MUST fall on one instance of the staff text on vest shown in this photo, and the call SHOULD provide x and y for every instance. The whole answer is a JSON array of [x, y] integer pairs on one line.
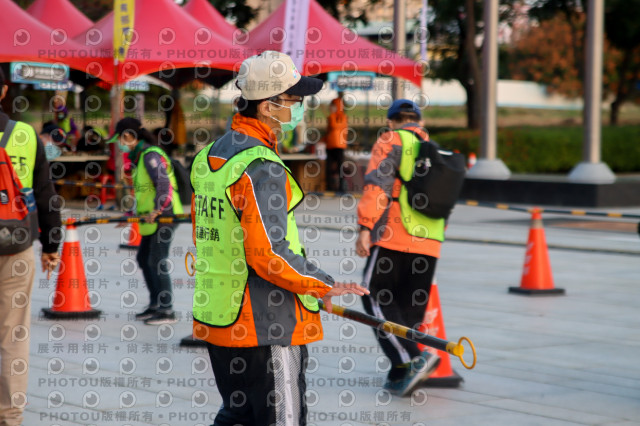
[[206, 206]]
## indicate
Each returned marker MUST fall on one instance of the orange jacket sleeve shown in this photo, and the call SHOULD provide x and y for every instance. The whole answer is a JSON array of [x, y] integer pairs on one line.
[[380, 183], [261, 198]]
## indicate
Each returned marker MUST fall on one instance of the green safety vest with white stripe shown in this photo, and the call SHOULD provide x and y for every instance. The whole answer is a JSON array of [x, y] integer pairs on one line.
[[21, 147], [221, 268], [145, 191], [415, 222]]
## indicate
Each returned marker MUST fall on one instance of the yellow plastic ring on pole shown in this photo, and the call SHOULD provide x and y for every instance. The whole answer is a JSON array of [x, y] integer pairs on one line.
[[191, 272], [473, 350]]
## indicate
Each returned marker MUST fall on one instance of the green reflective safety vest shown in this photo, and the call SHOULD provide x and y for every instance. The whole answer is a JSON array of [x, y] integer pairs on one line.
[[145, 191], [65, 124], [221, 267], [21, 147], [415, 222]]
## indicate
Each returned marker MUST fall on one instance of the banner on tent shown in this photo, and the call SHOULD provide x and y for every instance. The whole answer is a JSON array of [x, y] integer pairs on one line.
[[296, 20]]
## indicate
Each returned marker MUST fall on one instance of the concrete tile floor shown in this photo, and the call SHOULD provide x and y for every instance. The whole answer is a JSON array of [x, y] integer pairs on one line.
[[568, 360]]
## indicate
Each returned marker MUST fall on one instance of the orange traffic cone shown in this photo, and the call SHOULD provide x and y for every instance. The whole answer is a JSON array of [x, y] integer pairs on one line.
[[472, 160], [433, 324], [134, 237], [536, 274], [71, 298]]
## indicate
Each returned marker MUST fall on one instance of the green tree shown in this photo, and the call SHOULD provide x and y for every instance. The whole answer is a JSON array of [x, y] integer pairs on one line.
[[537, 56], [354, 12], [572, 12], [546, 54], [457, 55], [623, 32], [243, 14], [93, 9], [236, 10]]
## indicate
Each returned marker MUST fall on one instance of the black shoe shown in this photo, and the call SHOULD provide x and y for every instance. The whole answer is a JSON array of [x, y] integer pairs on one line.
[[146, 314], [395, 387], [419, 371], [162, 317]]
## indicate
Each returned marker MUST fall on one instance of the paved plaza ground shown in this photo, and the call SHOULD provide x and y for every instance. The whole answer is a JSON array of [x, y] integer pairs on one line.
[[565, 360]]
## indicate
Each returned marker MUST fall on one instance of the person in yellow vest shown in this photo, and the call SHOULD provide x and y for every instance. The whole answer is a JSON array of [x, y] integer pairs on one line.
[[400, 265], [256, 295], [17, 263], [156, 192]]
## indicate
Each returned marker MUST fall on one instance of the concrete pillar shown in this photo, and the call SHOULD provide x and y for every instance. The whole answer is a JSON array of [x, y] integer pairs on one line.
[[591, 169], [488, 166], [399, 42]]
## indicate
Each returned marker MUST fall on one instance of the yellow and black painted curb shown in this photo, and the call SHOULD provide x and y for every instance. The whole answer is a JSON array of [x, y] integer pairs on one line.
[[573, 212]]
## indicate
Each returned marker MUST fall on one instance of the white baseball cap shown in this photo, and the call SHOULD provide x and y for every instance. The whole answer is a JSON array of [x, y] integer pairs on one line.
[[272, 73]]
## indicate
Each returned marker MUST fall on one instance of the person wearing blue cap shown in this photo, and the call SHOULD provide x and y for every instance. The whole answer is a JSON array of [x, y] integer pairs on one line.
[[400, 265]]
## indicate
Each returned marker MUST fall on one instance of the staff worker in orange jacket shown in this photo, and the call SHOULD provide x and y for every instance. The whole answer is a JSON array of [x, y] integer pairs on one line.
[[336, 140], [256, 295]]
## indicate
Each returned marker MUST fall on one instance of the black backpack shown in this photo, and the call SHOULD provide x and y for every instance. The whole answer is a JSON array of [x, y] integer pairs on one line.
[[437, 179], [183, 181]]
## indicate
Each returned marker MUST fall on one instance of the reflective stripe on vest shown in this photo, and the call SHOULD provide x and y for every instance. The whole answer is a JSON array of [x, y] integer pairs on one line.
[[145, 191], [414, 222], [21, 147], [221, 269]]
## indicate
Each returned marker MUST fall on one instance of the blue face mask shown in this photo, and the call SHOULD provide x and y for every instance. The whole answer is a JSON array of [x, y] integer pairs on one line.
[[124, 148], [297, 114], [52, 151]]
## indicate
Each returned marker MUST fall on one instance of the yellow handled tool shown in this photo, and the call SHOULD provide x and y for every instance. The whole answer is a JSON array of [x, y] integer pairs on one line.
[[191, 272], [456, 349]]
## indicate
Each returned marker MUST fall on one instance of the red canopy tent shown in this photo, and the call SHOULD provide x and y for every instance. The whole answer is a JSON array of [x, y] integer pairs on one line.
[[206, 14], [166, 38], [60, 14], [332, 47], [27, 39]]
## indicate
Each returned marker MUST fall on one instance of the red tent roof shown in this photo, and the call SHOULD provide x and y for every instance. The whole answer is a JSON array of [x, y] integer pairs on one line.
[[165, 38], [205, 13], [60, 14], [27, 39], [332, 47]]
